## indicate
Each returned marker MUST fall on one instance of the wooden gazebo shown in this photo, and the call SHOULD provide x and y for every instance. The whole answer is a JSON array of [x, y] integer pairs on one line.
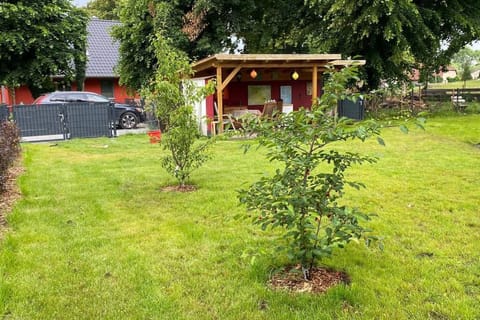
[[273, 67]]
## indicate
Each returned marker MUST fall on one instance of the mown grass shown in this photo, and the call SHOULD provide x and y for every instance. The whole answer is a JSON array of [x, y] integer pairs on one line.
[[456, 84], [95, 238]]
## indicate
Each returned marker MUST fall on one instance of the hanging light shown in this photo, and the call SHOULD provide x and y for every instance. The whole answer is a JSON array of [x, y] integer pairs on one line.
[[253, 74], [294, 75]]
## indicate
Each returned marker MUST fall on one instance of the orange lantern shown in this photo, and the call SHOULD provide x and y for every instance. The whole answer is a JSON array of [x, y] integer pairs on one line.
[[253, 74]]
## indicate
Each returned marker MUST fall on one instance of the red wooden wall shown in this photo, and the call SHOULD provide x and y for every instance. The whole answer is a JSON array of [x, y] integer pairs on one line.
[[236, 93], [23, 95]]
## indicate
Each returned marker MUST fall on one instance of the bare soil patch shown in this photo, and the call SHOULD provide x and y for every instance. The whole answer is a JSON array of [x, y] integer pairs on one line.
[[186, 188], [11, 194], [291, 279]]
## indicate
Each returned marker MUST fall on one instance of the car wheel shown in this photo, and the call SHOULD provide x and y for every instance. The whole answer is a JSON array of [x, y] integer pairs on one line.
[[128, 120]]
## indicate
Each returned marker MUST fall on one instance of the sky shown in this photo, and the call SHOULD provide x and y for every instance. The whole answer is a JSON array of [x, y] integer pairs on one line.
[[80, 3]]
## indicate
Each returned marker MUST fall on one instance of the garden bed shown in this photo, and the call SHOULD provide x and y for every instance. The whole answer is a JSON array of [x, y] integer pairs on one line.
[[11, 194]]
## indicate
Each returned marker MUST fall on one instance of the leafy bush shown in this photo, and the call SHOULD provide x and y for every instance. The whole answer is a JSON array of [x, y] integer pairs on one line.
[[454, 79], [186, 154], [9, 149], [303, 196]]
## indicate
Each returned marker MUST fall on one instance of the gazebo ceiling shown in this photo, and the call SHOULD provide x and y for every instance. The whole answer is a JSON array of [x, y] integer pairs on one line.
[[208, 66]]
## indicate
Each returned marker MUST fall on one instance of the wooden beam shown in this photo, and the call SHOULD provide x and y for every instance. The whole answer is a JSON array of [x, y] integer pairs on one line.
[[220, 99], [258, 65], [230, 76], [314, 84]]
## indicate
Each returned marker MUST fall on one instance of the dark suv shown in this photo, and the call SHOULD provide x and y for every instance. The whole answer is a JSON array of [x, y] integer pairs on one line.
[[128, 117]]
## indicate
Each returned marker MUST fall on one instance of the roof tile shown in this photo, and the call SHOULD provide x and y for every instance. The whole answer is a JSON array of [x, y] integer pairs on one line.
[[102, 49]]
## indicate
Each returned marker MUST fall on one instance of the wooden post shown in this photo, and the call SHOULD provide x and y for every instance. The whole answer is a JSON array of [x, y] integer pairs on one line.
[[220, 98], [315, 84]]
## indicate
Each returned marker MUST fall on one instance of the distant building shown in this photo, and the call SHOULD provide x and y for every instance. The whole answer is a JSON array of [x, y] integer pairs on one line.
[[476, 74], [414, 75], [450, 72]]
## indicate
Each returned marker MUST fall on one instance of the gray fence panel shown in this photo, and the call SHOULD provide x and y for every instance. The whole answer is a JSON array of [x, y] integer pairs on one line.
[[87, 120], [351, 109], [39, 120], [3, 112]]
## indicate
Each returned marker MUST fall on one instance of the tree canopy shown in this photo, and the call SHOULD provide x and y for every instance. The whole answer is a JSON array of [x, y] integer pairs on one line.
[[103, 9], [40, 39], [199, 28], [393, 36], [464, 60], [396, 35]]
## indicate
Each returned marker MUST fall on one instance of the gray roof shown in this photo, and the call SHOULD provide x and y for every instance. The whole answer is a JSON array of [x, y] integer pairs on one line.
[[102, 49]]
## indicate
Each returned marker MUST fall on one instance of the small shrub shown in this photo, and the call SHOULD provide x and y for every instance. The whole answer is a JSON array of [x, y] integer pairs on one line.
[[454, 79], [9, 149], [187, 153]]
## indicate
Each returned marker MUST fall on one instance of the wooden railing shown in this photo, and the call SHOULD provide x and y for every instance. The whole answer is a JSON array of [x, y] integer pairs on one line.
[[469, 94]]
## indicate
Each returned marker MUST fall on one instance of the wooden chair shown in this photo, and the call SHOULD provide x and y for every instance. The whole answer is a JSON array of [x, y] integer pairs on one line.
[[268, 109], [227, 121], [279, 108]]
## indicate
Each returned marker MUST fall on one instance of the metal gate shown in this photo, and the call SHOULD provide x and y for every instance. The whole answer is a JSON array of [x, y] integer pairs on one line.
[[65, 121], [3, 112], [351, 109], [88, 120], [40, 120]]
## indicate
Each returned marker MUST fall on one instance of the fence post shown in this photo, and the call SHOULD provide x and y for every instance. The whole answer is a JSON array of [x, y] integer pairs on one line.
[[113, 130], [63, 114]]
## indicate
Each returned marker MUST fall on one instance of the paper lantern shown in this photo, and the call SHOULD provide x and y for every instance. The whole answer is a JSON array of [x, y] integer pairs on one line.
[[253, 74], [295, 75]]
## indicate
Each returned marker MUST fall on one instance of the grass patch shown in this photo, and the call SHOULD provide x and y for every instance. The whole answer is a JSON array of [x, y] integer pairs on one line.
[[456, 84], [94, 237]]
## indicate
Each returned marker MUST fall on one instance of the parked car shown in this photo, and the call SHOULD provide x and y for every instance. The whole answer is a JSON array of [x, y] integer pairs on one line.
[[128, 117]]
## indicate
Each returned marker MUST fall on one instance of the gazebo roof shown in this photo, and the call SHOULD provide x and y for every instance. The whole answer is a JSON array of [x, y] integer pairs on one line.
[[207, 66]]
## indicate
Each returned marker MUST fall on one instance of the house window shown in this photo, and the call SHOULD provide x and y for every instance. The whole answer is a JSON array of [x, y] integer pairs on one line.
[[106, 86]]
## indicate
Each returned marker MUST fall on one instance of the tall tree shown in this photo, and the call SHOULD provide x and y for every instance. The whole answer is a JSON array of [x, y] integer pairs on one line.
[[464, 60], [181, 22], [40, 39], [275, 26], [395, 35]]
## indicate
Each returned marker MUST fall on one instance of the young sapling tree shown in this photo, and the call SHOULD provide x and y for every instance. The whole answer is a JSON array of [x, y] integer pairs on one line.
[[174, 96], [303, 196]]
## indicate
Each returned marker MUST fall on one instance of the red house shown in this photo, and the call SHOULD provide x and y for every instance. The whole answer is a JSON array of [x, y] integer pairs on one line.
[[100, 76]]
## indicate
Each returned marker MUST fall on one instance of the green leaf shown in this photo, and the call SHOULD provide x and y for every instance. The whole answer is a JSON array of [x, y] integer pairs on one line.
[[404, 128], [380, 141], [381, 245]]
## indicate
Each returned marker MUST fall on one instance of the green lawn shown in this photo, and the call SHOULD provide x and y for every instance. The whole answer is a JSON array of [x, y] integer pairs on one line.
[[95, 238], [455, 85]]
